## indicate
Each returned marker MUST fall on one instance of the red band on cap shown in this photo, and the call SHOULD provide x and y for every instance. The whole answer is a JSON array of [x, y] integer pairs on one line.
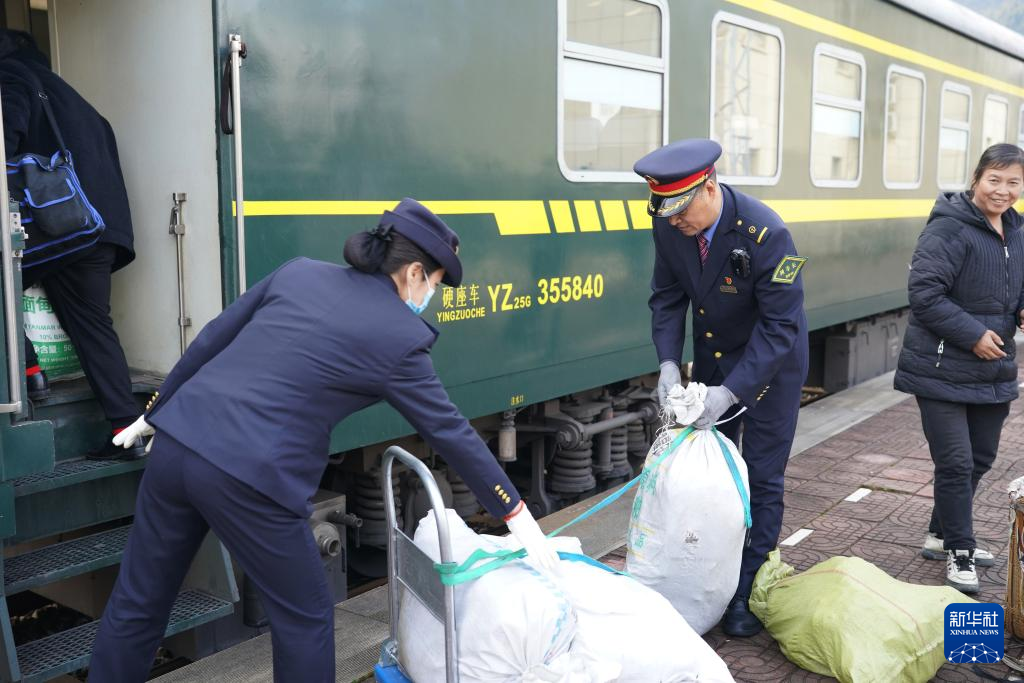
[[34, 370], [681, 185]]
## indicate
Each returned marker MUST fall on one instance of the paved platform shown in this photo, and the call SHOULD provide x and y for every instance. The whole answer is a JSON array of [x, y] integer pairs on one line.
[[885, 452], [866, 437]]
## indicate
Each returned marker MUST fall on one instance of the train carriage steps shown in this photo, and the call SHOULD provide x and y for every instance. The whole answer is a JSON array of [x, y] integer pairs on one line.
[[67, 651], [71, 518]]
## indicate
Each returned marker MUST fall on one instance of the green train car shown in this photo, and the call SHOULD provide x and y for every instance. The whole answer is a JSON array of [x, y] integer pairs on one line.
[[274, 129]]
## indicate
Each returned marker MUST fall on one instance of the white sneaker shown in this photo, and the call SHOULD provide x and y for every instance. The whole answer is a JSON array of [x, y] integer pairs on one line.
[[933, 550], [960, 573]]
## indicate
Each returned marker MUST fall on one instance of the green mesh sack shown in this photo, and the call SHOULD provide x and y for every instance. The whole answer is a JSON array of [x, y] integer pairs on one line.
[[847, 618]]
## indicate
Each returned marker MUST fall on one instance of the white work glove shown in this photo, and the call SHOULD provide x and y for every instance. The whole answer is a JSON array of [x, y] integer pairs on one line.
[[718, 400], [669, 378], [686, 405], [139, 429], [539, 547]]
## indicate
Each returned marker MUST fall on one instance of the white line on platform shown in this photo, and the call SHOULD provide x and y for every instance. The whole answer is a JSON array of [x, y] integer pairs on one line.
[[857, 495], [797, 536]]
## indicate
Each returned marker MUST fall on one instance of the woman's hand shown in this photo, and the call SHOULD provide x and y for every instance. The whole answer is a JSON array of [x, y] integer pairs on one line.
[[987, 348], [539, 547], [1020, 320], [136, 431]]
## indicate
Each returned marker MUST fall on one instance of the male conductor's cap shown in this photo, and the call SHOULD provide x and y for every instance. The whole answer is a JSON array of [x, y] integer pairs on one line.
[[428, 232], [675, 172]]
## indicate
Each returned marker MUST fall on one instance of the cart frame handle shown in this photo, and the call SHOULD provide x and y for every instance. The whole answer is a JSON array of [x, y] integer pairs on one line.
[[406, 562]]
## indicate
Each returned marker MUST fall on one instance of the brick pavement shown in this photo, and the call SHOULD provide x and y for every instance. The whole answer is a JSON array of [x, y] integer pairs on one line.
[[888, 454]]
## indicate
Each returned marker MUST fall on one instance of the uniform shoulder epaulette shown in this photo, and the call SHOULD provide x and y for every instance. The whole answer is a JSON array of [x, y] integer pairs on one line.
[[755, 231]]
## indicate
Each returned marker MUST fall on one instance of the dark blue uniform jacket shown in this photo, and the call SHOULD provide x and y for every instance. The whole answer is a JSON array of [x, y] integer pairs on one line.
[[262, 386], [751, 329], [87, 134]]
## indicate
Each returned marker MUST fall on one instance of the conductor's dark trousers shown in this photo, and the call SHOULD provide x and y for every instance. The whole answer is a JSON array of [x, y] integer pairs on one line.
[[78, 288], [182, 496]]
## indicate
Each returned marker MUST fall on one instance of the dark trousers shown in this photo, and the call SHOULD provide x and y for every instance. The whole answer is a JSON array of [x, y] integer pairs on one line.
[[181, 497], [767, 442], [963, 439], [78, 287]]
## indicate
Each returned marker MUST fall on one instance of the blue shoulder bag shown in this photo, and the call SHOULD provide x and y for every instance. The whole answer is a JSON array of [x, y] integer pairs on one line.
[[56, 214]]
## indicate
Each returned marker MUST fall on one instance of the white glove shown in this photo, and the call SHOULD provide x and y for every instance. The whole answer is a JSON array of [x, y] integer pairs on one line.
[[669, 378], [718, 400], [687, 404], [139, 429], [539, 547]]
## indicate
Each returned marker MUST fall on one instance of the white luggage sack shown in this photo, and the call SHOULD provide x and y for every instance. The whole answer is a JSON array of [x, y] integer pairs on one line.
[[512, 624], [588, 625], [690, 518]]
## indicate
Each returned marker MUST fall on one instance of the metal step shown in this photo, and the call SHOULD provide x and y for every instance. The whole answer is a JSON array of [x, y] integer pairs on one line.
[[63, 560], [64, 391], [61, 653], [71, 472]]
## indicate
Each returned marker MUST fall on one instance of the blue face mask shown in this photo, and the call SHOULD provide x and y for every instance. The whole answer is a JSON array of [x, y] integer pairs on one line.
[[426, 300]]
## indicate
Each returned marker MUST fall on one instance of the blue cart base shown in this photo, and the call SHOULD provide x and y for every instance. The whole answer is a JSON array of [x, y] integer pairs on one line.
[[389, 674]]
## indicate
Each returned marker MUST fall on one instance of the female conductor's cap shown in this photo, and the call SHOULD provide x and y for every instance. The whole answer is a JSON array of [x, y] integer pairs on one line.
[[420, 225]]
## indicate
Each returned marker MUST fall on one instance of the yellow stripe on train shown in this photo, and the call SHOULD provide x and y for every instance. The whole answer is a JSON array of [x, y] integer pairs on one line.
[[540, 217]]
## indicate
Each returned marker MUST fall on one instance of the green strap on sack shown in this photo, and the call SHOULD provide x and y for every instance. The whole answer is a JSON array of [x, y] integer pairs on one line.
[[453, 574]]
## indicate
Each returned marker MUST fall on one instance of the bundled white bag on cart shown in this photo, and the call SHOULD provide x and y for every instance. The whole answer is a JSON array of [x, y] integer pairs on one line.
[[620, 630], [630, 624], [690, 515], [513, 624]]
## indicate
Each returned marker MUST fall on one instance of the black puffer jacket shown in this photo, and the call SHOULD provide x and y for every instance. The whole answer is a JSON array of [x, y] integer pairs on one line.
[[964, 280]]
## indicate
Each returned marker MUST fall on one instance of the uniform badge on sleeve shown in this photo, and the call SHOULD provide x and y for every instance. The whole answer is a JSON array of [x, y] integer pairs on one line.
[[788, 268]]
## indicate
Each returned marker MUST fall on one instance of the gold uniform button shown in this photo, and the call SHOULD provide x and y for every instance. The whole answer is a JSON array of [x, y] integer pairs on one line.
[[708, 335], [739, 222], [718, 354], [700, 311], [752, 229], [497, 487]]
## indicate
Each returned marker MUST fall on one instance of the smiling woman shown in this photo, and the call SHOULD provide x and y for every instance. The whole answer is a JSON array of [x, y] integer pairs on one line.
[[998, 181], [966, 295]]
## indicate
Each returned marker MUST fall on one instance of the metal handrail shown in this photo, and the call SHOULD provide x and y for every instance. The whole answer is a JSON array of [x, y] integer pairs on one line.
[[444, 541], [11, 330], [236, 51]]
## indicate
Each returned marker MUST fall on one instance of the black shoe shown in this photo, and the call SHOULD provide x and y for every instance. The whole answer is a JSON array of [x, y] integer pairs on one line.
[[38, 386], [738, 621], [108, 451]]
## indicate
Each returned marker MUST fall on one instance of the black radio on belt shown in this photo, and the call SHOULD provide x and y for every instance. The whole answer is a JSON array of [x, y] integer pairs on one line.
[[740, 260]]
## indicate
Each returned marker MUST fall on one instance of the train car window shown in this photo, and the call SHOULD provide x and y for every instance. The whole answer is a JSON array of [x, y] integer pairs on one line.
[[954, 136], [613, 64], [902, 155], [837, 117], [993, 121], [746, 99], [1020, 127]]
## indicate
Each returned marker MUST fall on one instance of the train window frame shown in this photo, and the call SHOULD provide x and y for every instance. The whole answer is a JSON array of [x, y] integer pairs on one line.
[[965, 90], [596, 54], [776, 32], [909, 73], [859, 106], [1020, 127], [984, 110]]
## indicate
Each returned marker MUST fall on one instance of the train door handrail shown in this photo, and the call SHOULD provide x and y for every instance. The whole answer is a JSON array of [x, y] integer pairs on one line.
[[236, 53], [10, 261]]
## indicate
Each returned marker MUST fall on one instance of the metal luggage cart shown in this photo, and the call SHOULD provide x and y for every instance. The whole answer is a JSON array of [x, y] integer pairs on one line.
[[411, 569]]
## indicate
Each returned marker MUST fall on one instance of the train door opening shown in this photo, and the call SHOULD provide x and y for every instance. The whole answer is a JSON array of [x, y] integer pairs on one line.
[[149, 68]]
